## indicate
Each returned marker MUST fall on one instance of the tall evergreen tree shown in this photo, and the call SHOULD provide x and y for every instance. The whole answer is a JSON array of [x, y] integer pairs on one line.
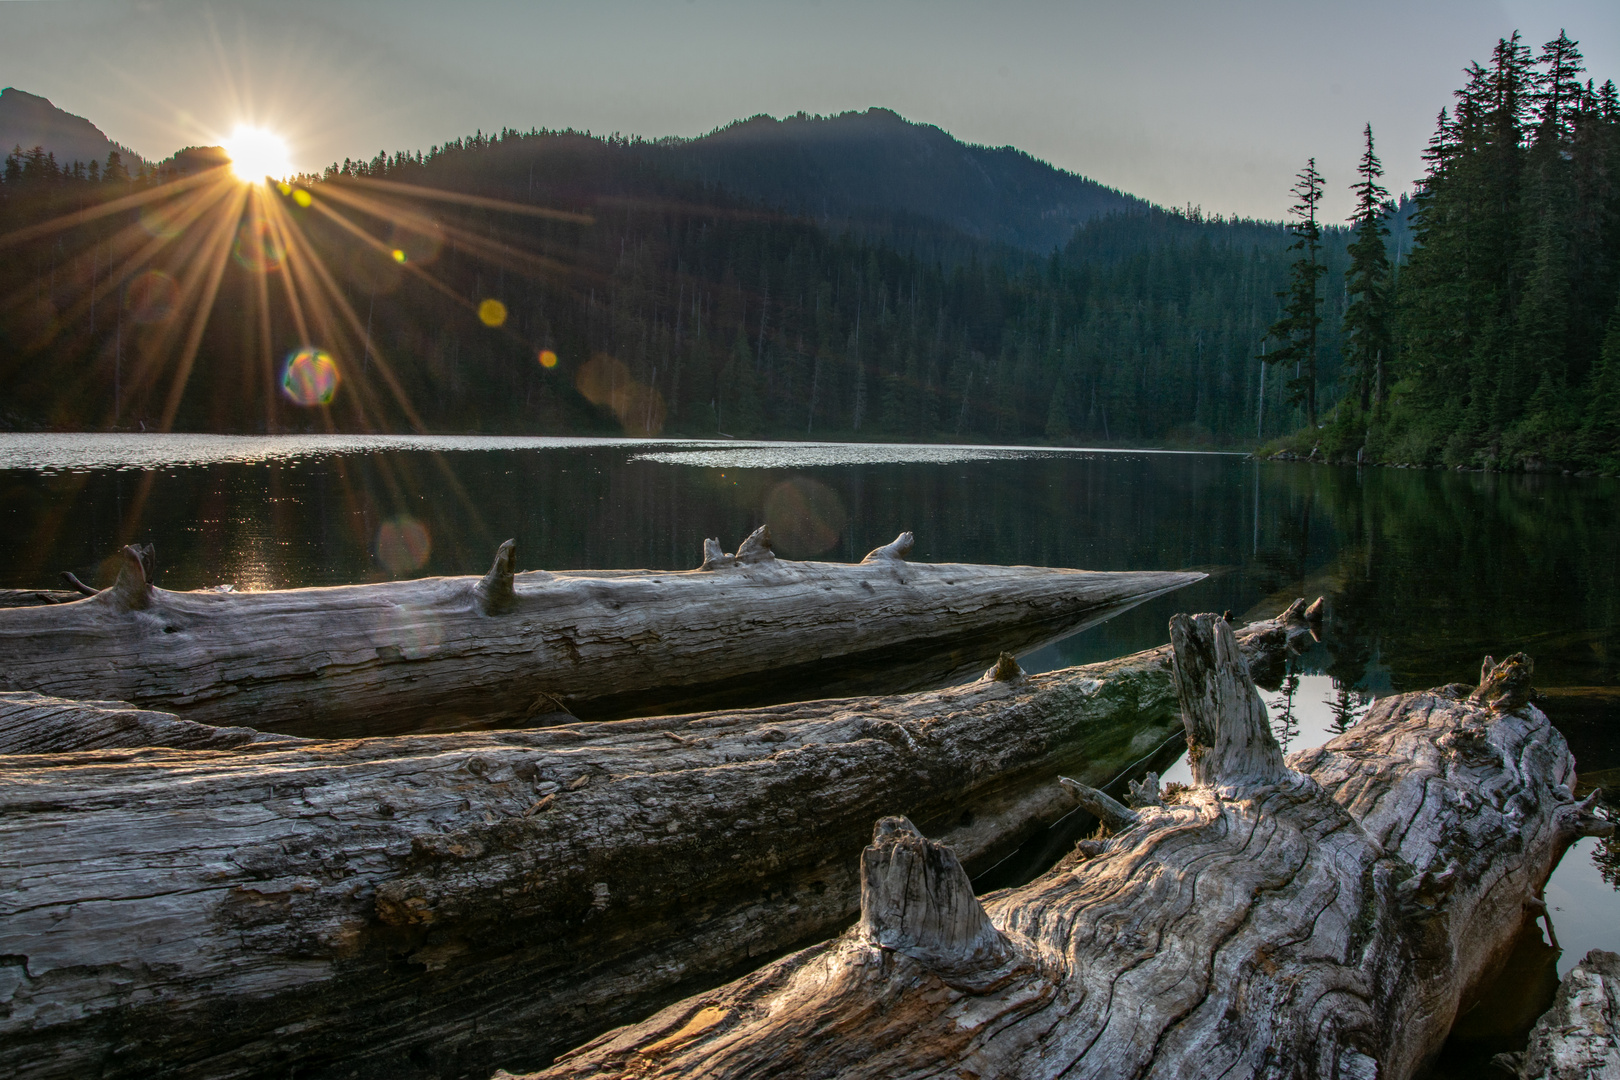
[[1299, 327], [1366, 322]]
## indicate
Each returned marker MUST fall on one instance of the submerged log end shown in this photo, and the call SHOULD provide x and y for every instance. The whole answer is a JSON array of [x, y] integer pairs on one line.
[[494, 592], [916, 899], [1576, 1039], [1315, 611], [133, 589], [714, 557], [1505, 687], [1108, 810], [1229, 739], [895, 550], [757, 548]]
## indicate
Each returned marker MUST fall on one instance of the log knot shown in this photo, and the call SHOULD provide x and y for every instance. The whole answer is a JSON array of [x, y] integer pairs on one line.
[[916, 899], [136, 572], [1005, 669], [894, 551], [494, 592], [1505, 687], [757, 547]]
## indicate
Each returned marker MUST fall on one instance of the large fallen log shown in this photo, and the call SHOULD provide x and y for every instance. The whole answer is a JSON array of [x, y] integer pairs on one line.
[[445, 654], [440, 905], [1321, 917], [1579, 1037]]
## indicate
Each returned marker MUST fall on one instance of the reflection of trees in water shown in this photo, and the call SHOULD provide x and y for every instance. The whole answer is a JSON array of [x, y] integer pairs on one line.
[[1285, 720], [1347, 708], [1606, 857]]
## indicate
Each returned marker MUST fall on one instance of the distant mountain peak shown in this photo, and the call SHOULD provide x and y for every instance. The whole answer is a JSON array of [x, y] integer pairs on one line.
[[859, 167], [28, 120]]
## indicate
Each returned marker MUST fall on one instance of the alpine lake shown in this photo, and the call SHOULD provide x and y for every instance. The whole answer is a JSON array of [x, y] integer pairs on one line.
[[1423, 572]]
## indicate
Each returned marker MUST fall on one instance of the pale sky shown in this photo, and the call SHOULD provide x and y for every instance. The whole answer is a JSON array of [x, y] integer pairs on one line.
[[1178, 101]]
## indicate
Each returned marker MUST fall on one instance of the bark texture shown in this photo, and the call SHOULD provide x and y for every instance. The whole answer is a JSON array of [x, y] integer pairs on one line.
[[440, 905], [509, 649], [1320, 917], [1579, 1037], [37, 724]]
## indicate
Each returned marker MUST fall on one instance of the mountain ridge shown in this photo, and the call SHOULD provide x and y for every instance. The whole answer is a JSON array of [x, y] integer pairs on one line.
[[29, 120]]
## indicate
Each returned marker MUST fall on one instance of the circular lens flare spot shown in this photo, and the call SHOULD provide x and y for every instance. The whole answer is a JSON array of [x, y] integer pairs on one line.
[[162, 220], [152, 297], [310, 377], [807, 517], [302, 197], [548, 359], [400, 256], [256, 154], [403, 544], [257, 248], [492, 313]]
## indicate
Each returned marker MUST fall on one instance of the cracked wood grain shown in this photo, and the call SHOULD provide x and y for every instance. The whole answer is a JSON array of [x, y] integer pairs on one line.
[[1321, 916], [439, 905]]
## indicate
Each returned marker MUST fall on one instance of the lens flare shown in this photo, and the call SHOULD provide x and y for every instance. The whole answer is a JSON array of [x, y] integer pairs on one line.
[[152, 297], [403, 544], [302, 197], [257, 247], [419, 241], [807, 517], [492, 313], [162, 220], [257, 154], [548, 359], [310, 377]]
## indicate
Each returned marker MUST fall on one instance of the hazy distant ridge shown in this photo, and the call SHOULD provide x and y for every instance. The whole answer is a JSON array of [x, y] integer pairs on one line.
[[862, 169], [28, 120]]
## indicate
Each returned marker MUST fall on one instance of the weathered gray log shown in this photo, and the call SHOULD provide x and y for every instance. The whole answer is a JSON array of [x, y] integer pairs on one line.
[[36, 724], [508, 649], [1579, 1037], [438, 905], [1315, 918]]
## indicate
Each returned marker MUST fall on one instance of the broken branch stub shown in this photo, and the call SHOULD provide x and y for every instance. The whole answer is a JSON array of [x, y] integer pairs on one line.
[[917, 899], [895, 550], [494, 592], [1229, 739]]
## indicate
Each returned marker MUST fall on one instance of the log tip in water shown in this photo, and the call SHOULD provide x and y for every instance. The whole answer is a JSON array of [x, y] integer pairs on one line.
[[494, 592], [1104, 807], [895, 550], [916, 899]]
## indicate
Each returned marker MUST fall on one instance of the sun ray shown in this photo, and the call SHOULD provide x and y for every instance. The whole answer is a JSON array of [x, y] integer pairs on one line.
[[91, 213], [214, 265], [480, 201]]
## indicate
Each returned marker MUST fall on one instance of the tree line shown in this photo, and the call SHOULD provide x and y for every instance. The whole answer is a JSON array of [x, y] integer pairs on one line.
[[1497, 344]]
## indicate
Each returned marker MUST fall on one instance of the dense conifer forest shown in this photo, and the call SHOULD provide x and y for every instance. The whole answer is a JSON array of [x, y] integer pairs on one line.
[[558, 282]]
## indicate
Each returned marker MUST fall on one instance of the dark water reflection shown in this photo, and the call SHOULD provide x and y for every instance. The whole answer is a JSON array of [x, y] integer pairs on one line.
[[1424, 572]]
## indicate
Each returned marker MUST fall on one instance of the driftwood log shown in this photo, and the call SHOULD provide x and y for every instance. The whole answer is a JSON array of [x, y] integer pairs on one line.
[[440, 905], [1579, 1037], [1319, 917], [36, 724], [447, 654]]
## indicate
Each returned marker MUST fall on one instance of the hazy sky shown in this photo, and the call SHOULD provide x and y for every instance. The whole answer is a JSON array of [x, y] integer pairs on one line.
[[1179, 101]]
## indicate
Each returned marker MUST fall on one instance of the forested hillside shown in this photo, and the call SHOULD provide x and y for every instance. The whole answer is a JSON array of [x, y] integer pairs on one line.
[[669, 304]]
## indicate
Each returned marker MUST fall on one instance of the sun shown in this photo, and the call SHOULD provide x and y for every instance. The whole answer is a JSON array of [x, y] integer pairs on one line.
[[256, 153]]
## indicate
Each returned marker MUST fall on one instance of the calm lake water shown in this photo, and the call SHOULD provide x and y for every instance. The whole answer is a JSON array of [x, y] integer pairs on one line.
[[1424, 572]]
